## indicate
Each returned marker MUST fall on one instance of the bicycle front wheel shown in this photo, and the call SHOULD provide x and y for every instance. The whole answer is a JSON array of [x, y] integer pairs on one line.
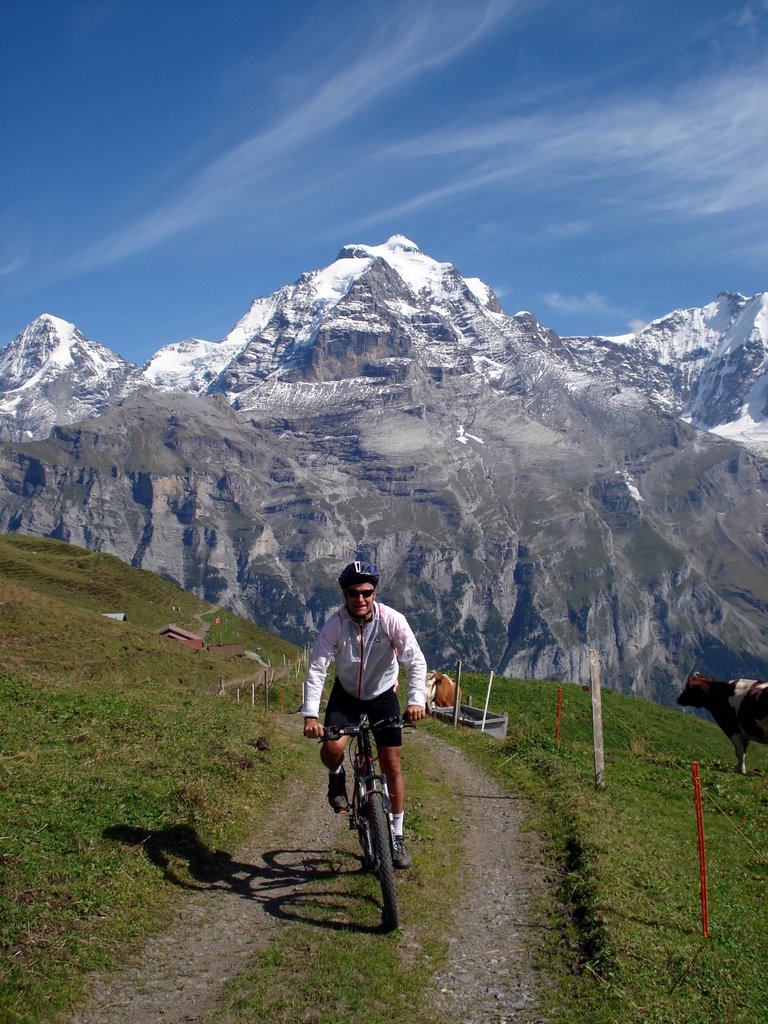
[[382, 846]]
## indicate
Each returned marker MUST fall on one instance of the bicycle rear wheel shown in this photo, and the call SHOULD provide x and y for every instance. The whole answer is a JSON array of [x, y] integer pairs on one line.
[[383, 850]]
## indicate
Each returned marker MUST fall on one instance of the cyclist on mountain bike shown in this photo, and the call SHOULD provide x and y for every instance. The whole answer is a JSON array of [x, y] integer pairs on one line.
[[366, 639]]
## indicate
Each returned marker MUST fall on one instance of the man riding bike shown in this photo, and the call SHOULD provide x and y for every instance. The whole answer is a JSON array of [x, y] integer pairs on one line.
[[367, 640]]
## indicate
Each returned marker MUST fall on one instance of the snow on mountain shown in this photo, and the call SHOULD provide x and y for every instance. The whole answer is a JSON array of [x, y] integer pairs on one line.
[[686, 334], [51, 373], [47, 347], [189, 365], [363, 323], [464, 438], [697, 363], [419, 272], [43, 346], [730, 397], [368, 294]]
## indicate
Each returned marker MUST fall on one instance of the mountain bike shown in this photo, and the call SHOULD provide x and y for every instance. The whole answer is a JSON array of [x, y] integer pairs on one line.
[[370, 811]]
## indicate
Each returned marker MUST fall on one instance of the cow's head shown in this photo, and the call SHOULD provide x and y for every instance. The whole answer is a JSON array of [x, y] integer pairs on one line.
[[696, 691]]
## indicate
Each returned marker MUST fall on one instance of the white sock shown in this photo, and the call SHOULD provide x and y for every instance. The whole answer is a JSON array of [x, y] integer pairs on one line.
[[397, 823]]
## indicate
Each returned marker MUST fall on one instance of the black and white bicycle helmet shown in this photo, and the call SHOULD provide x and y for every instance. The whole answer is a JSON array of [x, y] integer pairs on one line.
[[358, 572]]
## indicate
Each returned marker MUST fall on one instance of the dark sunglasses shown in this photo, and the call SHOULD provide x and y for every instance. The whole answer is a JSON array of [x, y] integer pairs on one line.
[[360, 593]]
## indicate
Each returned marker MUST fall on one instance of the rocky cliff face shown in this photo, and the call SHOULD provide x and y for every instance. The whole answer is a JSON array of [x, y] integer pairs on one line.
[[513, 543], [522, 504]]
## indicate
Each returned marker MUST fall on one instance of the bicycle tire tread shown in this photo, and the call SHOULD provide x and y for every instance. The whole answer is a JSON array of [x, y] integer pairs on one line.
[[384, 867]]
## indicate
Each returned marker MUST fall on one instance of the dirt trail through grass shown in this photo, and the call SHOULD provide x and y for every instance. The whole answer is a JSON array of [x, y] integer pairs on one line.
[[181, 975]]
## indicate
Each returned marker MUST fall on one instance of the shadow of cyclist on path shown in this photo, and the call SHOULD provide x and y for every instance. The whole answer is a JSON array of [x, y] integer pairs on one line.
[[279, 883]]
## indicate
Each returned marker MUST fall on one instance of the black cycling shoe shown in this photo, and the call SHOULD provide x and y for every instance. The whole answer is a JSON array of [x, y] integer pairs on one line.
[[337, 791]]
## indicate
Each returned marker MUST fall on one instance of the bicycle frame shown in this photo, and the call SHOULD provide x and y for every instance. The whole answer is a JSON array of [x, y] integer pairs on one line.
[[370, 811], [367, 780]]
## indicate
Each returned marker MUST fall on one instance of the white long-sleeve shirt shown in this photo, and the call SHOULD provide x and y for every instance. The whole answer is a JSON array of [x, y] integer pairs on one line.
[[366, 657]]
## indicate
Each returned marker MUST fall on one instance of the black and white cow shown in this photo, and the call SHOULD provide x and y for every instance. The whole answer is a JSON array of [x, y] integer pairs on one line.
[[739, 706]]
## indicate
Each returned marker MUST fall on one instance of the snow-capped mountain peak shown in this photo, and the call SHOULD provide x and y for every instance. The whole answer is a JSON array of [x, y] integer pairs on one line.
[[188, 365], [51, 373], [421, 273], [43, 347], [299, 308], [364, 291], [684, 333], [379, 313]]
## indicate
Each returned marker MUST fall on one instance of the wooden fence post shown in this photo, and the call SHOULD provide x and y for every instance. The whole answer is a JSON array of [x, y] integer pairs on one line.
[[597, 720]]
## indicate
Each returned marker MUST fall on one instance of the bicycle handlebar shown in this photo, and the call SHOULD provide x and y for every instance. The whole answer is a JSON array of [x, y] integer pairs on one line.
[[335, 732]]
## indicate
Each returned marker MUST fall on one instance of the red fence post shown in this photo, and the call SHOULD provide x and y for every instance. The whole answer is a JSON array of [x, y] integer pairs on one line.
[[702, 852]]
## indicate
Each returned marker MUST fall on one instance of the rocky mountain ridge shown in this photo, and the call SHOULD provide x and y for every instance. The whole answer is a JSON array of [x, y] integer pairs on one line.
[[708, 365], [523, 504]]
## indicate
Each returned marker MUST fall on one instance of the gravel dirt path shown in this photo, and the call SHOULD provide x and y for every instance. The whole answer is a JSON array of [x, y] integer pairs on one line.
[[489, 978], [490, 974]]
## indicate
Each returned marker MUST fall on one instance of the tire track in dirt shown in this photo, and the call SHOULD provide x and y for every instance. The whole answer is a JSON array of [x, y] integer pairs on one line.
[[490, 976]]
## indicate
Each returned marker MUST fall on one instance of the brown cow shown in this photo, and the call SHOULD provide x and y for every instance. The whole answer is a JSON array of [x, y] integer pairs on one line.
[[441, 690], [739, 706]]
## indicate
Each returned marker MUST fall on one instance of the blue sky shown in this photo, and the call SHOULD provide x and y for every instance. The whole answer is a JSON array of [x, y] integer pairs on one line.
[[167, 161]]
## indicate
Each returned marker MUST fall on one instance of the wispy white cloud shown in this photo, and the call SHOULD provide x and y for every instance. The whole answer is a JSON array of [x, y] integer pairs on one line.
[[409, 42], [592, 302], [751, 16], [11, 266], [565, 229], [697, 151], [700, 149]]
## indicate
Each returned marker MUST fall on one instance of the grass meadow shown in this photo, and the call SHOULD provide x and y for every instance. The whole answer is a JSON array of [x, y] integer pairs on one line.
[[628, 854], [118, 760]]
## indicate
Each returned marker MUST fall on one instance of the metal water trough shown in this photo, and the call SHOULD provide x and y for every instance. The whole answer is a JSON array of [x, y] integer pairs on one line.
[[495, 725]]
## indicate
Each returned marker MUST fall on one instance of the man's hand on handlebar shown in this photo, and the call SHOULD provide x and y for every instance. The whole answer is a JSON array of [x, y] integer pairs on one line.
[[414, 712], [312, 729]]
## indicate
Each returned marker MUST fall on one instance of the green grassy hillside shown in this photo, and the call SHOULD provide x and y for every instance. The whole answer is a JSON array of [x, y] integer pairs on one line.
[[122, 771], [628, 855], [112, 739], [51, 628]]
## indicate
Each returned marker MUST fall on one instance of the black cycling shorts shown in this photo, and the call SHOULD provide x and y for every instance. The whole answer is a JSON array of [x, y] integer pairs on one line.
[[344, 709]]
